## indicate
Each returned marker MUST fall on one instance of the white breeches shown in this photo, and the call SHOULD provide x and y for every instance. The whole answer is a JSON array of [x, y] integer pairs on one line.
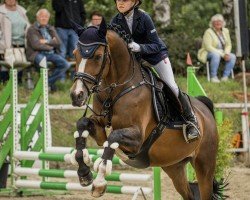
[[164, 69]]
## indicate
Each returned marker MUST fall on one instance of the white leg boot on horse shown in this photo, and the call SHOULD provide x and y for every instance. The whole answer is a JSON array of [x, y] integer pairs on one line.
[[81, 155], [85, 127], [103, 167], [191, 130]]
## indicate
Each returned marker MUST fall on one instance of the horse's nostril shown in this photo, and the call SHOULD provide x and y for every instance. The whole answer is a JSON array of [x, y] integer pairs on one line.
[[80, 95]]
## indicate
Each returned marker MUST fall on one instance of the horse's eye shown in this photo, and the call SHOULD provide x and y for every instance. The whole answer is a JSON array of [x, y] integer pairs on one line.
[[97, 57]]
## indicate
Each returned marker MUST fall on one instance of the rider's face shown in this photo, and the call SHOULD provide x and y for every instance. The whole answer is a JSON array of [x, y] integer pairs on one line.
[[124, 5]]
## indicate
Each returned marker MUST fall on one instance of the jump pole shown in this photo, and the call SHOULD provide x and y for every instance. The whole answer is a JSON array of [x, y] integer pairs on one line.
[[59, 173], [77, 187], [27, 155]]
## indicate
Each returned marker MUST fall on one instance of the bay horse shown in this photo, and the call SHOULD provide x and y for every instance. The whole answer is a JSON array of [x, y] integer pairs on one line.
[[123, 118]]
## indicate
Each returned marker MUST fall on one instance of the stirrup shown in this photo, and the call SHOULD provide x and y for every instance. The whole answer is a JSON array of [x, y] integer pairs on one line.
[[185, 126]]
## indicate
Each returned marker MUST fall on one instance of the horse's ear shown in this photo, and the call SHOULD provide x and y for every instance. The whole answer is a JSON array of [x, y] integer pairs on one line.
[[77, 28], [103, 28]]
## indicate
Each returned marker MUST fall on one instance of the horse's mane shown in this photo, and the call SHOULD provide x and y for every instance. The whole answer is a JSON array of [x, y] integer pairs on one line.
[[118, 29]]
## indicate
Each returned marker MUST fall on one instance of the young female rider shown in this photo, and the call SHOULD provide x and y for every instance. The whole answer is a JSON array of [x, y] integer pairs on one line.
[[152, 49]]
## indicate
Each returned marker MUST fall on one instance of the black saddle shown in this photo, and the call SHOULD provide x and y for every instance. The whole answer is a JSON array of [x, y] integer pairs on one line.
[[164, 100]]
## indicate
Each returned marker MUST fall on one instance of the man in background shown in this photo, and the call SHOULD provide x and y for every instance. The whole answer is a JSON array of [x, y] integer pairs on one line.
[[43, 42]]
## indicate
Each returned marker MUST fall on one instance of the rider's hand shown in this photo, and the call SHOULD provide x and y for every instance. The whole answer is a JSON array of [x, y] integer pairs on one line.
[[134, 47]]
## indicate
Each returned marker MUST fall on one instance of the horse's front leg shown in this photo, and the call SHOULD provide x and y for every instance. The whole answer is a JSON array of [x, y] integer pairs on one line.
[[85, 127], [130, 138]]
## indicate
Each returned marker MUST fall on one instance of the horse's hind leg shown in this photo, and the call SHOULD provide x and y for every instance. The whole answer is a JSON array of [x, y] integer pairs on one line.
[[178, 175], [85, 127], [204, 166]]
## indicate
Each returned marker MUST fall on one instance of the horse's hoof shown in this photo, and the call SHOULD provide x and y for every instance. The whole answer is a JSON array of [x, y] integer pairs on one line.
[[98, 191], [86, 180]]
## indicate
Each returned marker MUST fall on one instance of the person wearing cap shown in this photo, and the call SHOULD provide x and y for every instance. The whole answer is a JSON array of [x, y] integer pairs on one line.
[[151, 48], [217, 46]]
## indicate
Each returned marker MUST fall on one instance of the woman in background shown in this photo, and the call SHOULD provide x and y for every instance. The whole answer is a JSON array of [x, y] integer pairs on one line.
[[13, 27], [217, 46]]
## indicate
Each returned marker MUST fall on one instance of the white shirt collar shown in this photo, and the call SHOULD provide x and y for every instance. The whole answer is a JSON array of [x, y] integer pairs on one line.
[[129, 19]]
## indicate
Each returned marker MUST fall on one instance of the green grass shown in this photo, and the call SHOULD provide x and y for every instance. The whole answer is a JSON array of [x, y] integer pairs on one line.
[[217, 92], [221, 93]]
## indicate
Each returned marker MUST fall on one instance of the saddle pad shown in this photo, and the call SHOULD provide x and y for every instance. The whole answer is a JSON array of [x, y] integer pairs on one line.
[[163, 102]]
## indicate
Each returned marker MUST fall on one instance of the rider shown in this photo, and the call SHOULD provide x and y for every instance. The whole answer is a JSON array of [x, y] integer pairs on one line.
[[146, 41]]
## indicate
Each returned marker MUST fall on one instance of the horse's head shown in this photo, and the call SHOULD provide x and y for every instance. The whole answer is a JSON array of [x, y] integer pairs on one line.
[[91, 58]]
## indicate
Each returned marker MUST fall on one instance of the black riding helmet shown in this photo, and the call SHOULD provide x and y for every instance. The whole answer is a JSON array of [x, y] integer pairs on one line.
[[132, 8]]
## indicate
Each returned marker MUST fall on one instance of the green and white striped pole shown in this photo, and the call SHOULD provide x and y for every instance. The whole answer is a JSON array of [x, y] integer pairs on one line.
[[22, 171], [28, 155], [76, 186]]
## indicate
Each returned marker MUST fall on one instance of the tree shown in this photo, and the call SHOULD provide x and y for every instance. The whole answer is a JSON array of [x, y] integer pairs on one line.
[[228, 11], [162, 12], [189, 20], [33, 6]]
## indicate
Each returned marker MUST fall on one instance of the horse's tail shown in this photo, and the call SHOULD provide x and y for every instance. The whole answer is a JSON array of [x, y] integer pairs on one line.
[[219, 188], [208, 102]]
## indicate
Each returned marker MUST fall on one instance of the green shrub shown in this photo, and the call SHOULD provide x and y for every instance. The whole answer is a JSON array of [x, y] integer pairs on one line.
[[224, 158]]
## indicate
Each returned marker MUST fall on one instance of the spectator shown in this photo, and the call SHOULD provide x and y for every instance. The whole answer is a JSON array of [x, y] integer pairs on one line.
[[64, 11], [216, 45], [13, 27], [96, 18], [43, 41]]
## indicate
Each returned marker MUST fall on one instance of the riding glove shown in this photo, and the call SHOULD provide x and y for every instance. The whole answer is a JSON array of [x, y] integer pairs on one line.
[[134, 47]]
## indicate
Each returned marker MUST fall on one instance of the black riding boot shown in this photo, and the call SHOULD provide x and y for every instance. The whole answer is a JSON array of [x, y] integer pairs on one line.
[[192, 129]]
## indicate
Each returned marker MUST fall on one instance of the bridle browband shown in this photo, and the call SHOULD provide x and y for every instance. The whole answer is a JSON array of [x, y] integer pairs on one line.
[[95, 81]]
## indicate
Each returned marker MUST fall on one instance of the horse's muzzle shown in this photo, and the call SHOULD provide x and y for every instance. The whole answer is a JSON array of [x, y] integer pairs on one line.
[[78, 99]]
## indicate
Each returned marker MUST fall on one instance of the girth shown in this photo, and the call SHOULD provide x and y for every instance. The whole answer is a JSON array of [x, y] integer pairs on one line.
[[141, 159]]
